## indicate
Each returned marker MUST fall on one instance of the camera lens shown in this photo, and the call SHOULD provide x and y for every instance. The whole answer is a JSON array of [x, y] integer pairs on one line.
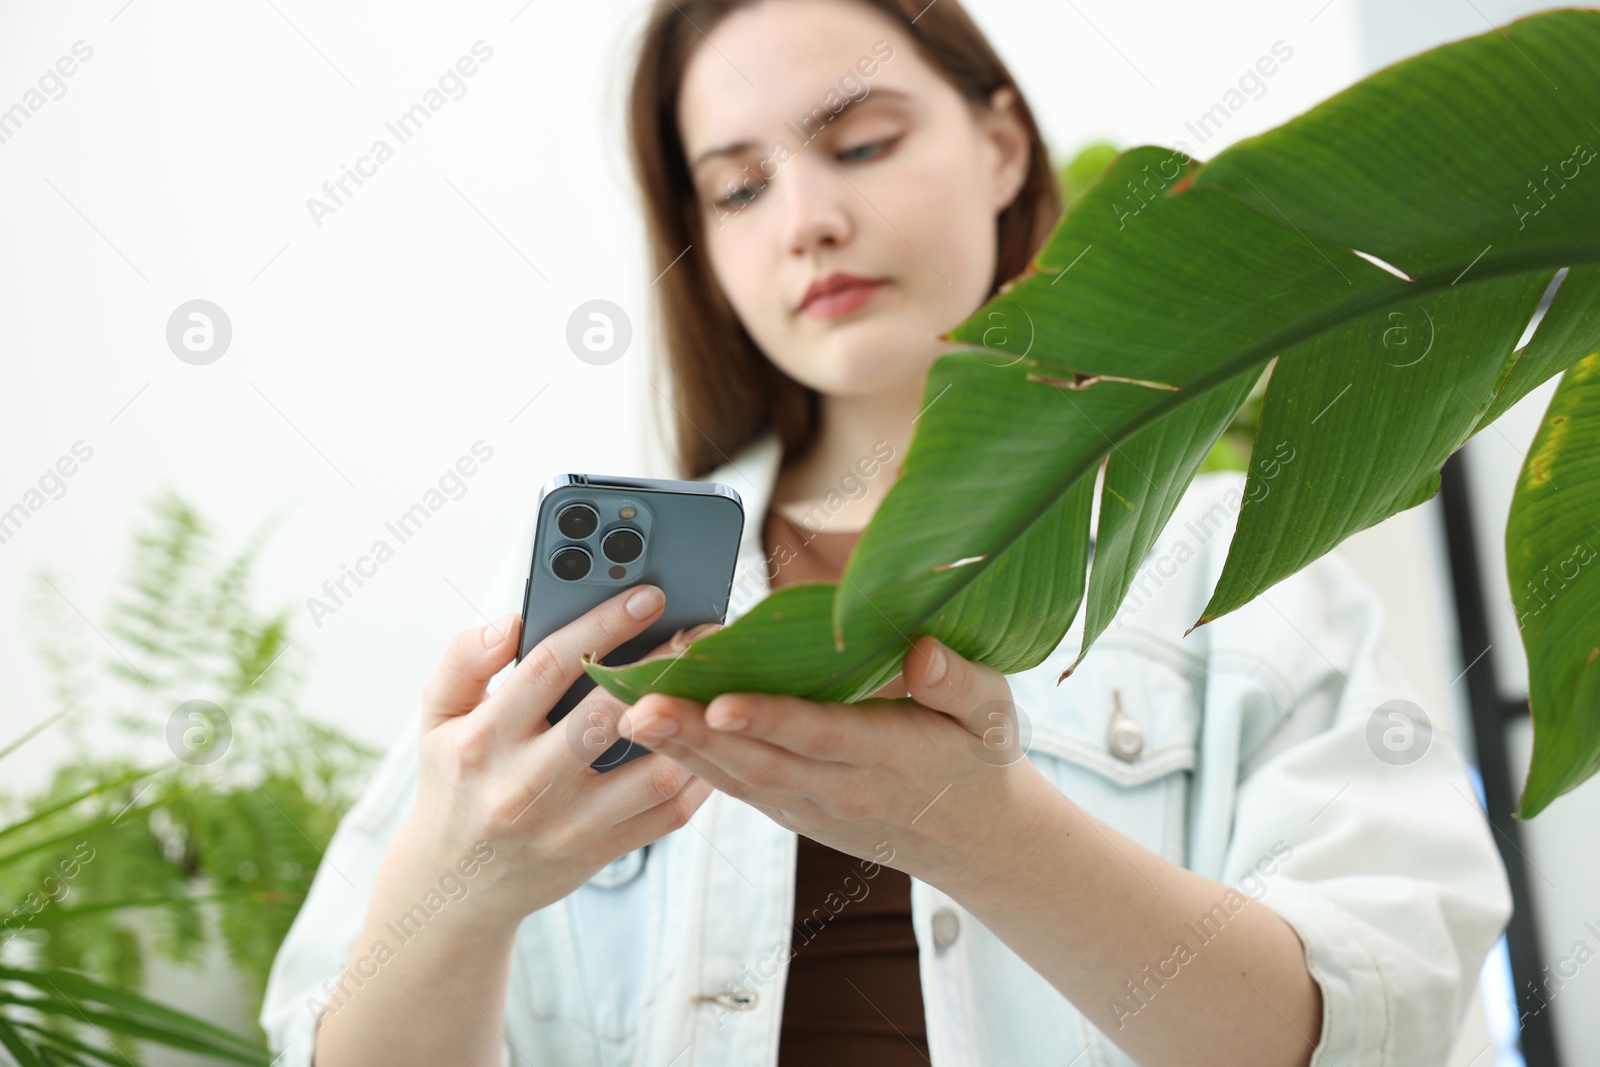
[[577, 521], [570, 563], [622, 545]]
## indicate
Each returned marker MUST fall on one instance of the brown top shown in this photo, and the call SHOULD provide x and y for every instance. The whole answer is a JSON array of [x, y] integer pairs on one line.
[[854, 994]]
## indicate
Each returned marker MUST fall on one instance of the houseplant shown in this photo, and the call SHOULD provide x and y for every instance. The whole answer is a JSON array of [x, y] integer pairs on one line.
[[1386, 252], [196, 805]]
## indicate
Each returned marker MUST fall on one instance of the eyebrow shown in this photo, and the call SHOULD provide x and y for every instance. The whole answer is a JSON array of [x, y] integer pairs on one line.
[[736, 147]]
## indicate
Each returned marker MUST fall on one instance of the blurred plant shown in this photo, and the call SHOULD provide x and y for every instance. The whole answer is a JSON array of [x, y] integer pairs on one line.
[[1083, 169], [1232, 450], [201, 798]]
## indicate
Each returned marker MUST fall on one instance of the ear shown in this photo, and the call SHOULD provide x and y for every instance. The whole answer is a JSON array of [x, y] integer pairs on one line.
[[1005, 130]]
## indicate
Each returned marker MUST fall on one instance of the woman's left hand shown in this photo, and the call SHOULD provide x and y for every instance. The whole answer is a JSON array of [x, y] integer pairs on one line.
[[940, 775]]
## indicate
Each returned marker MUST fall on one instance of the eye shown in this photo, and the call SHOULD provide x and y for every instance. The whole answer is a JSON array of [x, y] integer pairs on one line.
[[871, 150], [741, 197]]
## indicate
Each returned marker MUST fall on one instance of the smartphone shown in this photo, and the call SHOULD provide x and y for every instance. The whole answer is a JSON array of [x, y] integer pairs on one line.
[[597, 535]]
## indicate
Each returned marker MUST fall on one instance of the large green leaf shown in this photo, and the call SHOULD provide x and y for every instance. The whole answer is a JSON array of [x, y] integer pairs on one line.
[[1439, 197], [1145, 480], [1553, 562], [1444, 158], [1013, 616], [1370, 412], [1570, 331]]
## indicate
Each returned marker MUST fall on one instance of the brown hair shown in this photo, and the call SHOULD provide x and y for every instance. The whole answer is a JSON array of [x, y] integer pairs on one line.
[[727, 391]]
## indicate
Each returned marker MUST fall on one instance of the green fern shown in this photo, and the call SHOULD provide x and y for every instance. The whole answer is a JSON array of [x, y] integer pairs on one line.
[[169, 843]]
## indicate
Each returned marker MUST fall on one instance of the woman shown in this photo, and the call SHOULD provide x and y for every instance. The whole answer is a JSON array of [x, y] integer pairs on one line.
[[1200, 860]]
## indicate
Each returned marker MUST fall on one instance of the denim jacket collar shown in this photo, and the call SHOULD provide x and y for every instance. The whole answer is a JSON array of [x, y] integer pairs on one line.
[[753, 474]]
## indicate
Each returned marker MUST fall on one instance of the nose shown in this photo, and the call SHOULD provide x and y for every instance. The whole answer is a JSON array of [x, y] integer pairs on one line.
[[816, 209]]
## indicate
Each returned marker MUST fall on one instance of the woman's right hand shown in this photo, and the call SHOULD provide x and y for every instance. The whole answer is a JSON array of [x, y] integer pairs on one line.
[[492, 768], [426, 973]]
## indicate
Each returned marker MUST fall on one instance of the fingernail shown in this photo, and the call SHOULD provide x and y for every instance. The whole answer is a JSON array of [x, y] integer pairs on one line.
[[938, 663], [660, 728], [495, 633], [730, 721], [684, 638], [644, 602]]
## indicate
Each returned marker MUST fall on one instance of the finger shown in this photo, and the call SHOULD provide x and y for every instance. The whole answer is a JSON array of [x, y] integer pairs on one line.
[[610, 798], [472, 658], [591, 728], [939, 678], [523, 700], [818, 730], [719, 778], [669, 815], [740, 766]]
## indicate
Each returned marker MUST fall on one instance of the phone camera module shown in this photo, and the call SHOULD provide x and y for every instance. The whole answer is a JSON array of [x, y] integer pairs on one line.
[[570, 563], [622, 545], [577, 521]]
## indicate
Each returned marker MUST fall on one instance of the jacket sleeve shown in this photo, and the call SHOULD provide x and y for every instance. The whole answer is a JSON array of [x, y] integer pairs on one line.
[[305, 972], [1355, 818], [311, 960]]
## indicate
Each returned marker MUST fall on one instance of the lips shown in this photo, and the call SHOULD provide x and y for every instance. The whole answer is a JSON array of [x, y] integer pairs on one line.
[[838, 293]]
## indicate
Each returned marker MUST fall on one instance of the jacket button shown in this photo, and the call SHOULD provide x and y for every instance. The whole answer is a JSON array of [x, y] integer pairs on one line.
[[945, 928], [733, 1000], [1127, 739]]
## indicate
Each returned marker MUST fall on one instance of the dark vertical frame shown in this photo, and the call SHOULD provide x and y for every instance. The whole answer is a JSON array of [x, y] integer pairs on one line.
[[1491, 714]]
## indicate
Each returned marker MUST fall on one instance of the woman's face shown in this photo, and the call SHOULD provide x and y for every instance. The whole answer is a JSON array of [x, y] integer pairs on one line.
[[820, 144]]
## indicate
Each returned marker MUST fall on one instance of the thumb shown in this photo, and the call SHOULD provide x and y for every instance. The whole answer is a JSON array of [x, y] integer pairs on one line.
[[473, 657], [974, 694]]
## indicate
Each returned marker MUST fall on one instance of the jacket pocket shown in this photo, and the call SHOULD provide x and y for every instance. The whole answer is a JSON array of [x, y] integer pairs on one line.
[[608, 919], [1119, 738]]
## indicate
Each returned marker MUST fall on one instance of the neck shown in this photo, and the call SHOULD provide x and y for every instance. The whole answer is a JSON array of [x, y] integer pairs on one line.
[[840, 481]]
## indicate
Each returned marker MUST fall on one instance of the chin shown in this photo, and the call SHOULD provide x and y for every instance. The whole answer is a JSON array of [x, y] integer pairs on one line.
[[866, 355], [865, 370]]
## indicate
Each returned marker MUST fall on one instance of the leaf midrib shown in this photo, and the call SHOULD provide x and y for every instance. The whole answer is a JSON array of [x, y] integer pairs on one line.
[[1581, 252]]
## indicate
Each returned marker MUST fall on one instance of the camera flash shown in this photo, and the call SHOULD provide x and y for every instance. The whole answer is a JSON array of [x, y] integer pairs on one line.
[[628, 511]]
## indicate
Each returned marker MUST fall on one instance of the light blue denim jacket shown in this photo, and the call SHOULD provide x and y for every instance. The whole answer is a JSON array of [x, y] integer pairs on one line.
[[1246, 752]]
